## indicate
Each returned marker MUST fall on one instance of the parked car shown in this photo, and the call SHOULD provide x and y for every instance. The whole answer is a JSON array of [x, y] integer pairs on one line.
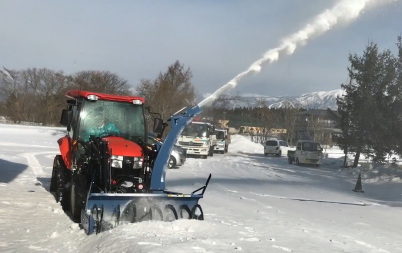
[[276, 147], [177, 156], [307, 152]]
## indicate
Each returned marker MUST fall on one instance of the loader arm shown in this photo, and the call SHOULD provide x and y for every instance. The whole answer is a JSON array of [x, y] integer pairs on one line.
[[178, 123]]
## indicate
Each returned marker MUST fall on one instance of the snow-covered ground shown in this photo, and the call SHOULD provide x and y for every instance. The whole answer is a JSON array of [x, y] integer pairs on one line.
[[253, 204]]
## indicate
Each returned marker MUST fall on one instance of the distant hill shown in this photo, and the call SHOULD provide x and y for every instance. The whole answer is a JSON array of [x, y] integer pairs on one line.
[[315, 100]]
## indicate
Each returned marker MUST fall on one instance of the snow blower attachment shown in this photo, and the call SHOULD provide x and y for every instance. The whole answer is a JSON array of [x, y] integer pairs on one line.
[[107, 174]]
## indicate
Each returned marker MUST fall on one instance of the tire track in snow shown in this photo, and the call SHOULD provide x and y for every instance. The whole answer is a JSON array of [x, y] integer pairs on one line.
[[34, 163], [11, 144], [313, 200], [282, 248]]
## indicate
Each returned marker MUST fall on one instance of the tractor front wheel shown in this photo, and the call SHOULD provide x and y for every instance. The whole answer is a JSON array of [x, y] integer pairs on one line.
[[77, 199], [59, 182]]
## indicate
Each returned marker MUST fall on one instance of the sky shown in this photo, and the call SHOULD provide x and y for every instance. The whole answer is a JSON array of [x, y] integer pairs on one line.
[[217, 40], [253, 203]]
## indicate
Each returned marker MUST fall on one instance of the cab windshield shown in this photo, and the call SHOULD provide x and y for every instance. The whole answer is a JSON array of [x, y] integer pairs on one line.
[[196, 130], [220, 135], [103, 118], [271, 143], [311, 146]]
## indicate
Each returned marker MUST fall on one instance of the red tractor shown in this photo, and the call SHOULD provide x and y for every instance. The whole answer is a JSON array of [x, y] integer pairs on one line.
[[107, 173]]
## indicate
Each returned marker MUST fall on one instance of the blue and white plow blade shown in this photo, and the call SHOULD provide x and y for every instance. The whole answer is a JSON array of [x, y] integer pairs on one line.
[[107, 210]]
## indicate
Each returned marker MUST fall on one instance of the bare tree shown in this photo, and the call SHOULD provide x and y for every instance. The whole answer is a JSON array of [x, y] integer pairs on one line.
[[14, 94], [170, 92], [289, 120], [37, 95], [47, 88], [100, 81]]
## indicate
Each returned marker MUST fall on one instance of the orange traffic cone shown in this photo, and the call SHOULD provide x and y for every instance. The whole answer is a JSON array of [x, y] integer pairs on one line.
[[358, 187]]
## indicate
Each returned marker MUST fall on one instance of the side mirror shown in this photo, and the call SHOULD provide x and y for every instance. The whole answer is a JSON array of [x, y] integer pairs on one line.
[[66, 116], [158, 126]]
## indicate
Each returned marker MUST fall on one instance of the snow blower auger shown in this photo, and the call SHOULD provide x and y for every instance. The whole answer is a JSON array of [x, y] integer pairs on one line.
[[107, 174]]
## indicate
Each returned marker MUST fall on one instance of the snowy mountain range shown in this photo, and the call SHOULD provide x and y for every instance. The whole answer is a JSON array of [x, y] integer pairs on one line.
[[315, 100]]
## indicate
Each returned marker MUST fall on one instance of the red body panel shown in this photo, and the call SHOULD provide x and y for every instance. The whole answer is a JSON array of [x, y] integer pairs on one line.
[[65, 150], [102, 96], [123, 147]]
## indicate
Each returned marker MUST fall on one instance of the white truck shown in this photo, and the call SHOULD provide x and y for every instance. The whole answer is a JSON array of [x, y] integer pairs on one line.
[[222, 140], [307, 152], [199, 139]]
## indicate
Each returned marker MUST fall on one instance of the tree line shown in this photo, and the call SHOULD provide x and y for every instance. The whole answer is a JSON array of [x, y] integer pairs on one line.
[[262, 117], [38, 95]]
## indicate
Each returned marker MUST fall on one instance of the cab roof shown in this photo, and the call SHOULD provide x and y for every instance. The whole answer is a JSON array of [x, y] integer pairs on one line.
[[103, 96]]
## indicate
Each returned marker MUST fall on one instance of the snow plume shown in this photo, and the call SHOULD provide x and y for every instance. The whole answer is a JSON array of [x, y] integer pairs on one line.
[[343, 11]]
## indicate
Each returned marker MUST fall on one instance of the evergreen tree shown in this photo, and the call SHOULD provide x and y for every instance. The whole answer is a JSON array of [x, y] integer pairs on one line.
[[366, 120], [395, 109], [346, 140]]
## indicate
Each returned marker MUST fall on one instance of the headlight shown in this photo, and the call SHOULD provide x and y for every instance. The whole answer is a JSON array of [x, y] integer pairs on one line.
[[116, 161], [120, 162], [137, 163]]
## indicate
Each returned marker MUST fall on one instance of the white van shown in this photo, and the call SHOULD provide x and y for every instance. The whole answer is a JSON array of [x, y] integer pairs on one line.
[[307, 152], [276, 147]]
